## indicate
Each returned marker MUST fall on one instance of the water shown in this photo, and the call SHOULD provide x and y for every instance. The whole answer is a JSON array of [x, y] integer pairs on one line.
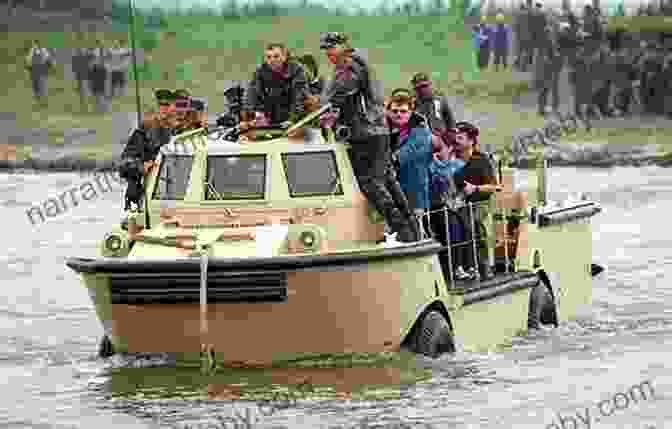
[[49, 335]]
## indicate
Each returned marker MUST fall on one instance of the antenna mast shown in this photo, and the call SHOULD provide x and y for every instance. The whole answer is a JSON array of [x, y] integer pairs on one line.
[[131, 24]]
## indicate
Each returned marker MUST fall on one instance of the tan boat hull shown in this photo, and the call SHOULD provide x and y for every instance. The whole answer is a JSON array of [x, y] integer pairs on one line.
[[326, 312]]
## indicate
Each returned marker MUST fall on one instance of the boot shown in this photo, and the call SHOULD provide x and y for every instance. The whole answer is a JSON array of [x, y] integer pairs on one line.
[[406, 229]]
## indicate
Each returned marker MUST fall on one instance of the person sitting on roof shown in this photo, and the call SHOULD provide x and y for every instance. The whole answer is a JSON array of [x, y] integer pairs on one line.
[[277, 90]]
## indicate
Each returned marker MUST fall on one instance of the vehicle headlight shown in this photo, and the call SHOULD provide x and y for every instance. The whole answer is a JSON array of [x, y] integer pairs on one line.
[[115, 244], [308, 239]]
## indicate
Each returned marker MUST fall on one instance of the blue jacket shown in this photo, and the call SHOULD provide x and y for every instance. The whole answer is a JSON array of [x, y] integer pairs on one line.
[[476, 39], [415, 157], [485, 30], [440, 172]]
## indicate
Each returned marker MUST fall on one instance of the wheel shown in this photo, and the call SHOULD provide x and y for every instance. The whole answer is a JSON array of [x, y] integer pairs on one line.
[[433, 336], [542, 309], [105, 349]]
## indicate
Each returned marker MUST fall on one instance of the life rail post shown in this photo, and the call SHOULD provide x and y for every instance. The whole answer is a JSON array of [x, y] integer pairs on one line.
[[472, 222], [542, 179], [446, 220]]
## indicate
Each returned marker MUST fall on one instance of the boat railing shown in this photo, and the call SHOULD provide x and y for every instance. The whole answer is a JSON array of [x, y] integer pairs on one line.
[[480, 215]]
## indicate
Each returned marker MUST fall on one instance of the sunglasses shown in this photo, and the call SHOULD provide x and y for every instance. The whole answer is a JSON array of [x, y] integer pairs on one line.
[[399, 111]]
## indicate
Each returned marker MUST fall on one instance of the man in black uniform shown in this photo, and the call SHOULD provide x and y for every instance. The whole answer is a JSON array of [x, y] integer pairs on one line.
[[355, 93], [278, 87], [144, 143], [432, 105]]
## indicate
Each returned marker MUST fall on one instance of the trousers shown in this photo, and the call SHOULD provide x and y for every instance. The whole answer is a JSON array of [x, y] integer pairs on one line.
[[370, 160]]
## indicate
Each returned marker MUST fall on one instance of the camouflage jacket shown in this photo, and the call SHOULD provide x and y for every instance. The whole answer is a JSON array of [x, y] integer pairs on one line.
[[277, 96], [359, 97]]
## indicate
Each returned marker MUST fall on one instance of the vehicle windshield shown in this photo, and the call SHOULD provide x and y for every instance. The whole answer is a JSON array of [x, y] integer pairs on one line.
[[236, 177], [312, 174], [173, 177]]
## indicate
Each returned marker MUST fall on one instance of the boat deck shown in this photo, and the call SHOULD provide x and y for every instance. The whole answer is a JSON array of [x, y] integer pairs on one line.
[[500, 283]]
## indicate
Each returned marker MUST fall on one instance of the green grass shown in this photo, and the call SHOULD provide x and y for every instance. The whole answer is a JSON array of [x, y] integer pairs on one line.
[[218, 50]]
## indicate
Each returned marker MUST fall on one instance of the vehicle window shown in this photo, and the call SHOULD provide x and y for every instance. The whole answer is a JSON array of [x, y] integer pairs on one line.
[[236, 177], [173, 177], [312, 174]]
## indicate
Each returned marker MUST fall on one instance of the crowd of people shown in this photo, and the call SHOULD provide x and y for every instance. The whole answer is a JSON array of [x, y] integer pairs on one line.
[[611, 73], [99, 72], [411, 158]]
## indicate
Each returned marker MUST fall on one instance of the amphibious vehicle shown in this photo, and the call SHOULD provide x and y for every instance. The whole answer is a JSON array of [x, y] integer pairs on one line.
[[263, 249]]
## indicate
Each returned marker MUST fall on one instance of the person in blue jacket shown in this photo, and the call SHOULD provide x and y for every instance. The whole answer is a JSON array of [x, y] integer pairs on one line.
[[445, 164], [411, 143]]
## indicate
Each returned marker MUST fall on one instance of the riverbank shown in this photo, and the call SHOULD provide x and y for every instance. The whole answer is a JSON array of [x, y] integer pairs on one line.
[[499, 103], [563, 154]]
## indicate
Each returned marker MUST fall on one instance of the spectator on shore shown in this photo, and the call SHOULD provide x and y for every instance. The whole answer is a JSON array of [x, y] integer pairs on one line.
[[39, 62], [538, 31], [523, 39], [476, 42], [99, 76], [120, 58], [485, 44], [548, 66], [81, 64], [501, 38]]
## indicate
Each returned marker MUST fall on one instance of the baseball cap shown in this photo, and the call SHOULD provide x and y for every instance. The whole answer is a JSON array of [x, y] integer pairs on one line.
[[401, 91], [164, 96], [332, 39], [420, 79]]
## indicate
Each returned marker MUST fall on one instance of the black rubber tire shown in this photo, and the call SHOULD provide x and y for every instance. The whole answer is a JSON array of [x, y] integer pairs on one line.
[[595, 269], [542, 308], [105, 349], [433, 336]]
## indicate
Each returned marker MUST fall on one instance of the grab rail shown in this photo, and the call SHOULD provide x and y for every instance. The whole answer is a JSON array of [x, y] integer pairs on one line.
[[499, 215]]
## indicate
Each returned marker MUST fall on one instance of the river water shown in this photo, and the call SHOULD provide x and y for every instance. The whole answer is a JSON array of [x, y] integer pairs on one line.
[[49, 335]]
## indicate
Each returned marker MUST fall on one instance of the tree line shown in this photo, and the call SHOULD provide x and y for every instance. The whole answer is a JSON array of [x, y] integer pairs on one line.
[[233, 9]]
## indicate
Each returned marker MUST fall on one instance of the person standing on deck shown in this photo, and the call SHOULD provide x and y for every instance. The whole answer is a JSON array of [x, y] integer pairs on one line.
[[360, 103], [433, 106]]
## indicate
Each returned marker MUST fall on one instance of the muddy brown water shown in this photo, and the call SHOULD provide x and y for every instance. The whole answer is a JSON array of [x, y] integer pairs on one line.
[[52, 379]]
